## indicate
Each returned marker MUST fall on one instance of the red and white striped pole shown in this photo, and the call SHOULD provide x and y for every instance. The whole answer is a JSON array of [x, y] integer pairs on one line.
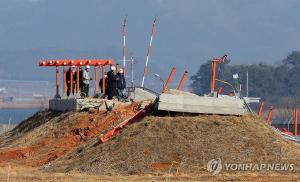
[[131, 63], [124, 45], [149, 50]]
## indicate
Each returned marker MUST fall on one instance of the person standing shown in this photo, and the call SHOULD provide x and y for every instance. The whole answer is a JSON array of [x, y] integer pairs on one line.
[[81, 82], [86, 80], [121, 85], [68, 79], [123, 89], [100, 83], [112, 79]]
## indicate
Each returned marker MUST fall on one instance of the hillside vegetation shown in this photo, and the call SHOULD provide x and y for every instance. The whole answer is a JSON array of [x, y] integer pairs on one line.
[[276, 84]]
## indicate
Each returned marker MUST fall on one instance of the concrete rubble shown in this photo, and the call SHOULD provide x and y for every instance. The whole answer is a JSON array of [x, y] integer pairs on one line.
[[77, 104], [142, 94], [173, 100]]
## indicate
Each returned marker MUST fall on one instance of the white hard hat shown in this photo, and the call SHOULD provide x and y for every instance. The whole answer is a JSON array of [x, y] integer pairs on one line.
[[113, 68], [121, 70], [235, 76], [87, 67], [73, 66]]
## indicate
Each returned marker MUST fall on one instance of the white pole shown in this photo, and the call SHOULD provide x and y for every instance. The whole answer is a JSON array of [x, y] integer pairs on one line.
[[247, 84], [132, 59], [148, 51], [124, 46]]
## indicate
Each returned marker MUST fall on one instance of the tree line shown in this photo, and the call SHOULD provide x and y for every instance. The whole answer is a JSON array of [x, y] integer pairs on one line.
[[276, 84]]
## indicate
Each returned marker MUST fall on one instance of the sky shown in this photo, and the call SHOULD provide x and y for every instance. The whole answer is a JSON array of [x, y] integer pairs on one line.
[[189, 32]]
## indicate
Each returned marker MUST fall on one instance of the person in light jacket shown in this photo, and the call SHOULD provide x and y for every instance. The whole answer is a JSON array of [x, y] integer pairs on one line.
[[86, 80]]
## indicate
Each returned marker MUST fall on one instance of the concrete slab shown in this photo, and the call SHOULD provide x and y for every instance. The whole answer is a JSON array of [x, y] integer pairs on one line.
[[141, 94], [62, 104], [179, 101], [76, 104]]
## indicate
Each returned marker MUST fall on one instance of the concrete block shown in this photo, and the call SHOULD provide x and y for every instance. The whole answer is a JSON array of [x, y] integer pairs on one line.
[[190, 103], [76, 104], [63, 104], [140, 94], [90, 103]]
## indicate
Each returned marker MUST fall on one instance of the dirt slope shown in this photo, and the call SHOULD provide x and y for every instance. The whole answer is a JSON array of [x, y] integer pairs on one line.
[[48, 135], [180, 145], [67, 142]]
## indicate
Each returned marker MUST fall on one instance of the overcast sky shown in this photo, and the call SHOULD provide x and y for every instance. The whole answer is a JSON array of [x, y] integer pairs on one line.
[[189, 32]]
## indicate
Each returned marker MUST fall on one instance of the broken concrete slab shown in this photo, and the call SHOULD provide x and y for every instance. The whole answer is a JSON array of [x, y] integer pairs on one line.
[[179, 101], [87, 103], [76, 104], [142, 94]]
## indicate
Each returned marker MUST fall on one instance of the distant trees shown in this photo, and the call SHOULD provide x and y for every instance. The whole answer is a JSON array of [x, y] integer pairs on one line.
[[277, 85], [292, 59]]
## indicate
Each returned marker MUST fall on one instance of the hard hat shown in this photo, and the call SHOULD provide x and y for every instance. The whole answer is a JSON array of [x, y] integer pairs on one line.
[[73, 66], [235, 76], [121, 70], [113, 68], [87, 67]]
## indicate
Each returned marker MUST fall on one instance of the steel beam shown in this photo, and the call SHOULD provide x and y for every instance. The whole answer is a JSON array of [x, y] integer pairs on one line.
[[82, 62]]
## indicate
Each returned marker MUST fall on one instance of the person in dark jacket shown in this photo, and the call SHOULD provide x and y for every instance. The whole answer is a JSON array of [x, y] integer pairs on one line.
[[121, 85], [81, 86], [100, 83], [68, 79], [112, 79]]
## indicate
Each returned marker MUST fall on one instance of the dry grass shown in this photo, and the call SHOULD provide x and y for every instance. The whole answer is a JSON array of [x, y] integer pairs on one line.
[[164, 145], [154, 149], [21, 174]]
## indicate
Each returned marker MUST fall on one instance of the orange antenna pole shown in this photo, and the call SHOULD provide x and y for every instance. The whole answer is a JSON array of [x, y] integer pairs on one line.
[[296, 122], [169, 79], [103, 79], [214, 62], [261, 107], [96, 79], [57, 82], [213, 75], [65, 82], [71, 82], [183, 78], [269, 115], [220, 90]]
